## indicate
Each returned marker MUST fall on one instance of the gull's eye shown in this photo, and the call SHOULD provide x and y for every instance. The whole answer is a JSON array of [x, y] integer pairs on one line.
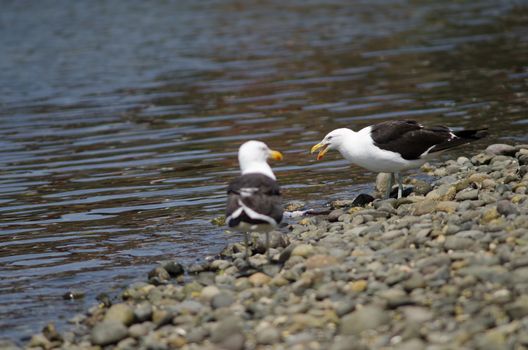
[[329, 138]]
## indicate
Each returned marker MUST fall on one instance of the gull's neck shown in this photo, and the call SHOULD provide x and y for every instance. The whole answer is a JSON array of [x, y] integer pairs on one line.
[[257, 167], [352, 144]]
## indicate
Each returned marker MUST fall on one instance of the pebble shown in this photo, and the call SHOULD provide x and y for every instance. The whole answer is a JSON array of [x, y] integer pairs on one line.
[[259, 279], [158, 276], [121, 313], [501, 149], [303, 250], [108, 332], [469, 194], [447, 206], [267, 335], [209, 292], [365, 318], [174, 268], [223, 299], [228, 334], [143, 312], [505, 207], [320, 261]]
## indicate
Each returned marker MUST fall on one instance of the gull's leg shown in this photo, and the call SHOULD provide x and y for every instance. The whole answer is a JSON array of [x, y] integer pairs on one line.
[[246, 242], [389, 186], [400, 185], [267, 246]]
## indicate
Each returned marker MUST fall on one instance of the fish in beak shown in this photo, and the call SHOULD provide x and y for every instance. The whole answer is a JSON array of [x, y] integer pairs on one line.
[[276, 155], [323, 149]]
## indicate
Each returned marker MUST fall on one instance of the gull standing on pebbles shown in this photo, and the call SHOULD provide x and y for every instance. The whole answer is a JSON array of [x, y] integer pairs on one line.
[[394, 146], [254, 199]]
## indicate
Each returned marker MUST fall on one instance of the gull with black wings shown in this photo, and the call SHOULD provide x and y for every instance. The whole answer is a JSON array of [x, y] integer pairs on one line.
[[394, 146], [254, 198]]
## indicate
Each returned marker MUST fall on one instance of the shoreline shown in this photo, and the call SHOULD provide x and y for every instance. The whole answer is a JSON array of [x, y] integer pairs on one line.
[[444, 269]]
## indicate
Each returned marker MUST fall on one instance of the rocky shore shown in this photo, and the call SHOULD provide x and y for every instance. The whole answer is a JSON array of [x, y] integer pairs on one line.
[[444, 268]]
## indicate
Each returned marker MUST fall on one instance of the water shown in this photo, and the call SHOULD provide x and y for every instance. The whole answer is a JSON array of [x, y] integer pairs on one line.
[[120, 121]]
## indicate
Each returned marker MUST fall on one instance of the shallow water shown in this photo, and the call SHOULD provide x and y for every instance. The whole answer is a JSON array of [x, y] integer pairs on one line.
[[120, 122]]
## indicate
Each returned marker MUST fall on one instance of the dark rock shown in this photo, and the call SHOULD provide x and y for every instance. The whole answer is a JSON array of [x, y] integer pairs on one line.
[[104, 299], [362, 200], [50, 332], [173, 268], [286, 253]]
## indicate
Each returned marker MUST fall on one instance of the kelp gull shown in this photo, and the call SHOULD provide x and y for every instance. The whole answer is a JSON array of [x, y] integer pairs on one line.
[[394, 146], [254, 199]]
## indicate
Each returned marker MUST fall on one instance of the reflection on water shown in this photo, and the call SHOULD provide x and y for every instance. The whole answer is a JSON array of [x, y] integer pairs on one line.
[[119, 123]]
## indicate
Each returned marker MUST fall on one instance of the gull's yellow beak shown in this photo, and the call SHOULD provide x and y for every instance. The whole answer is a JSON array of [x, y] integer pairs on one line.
[[322, 152], [276, 155]]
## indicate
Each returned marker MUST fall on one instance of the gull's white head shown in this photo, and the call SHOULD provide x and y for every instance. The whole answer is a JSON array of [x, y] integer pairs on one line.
[[333, 140], [253, 156]]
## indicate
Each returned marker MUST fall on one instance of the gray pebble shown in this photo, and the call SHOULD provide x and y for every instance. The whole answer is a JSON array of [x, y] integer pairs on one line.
[[268, 336], [228, 334], [222, 299], [469, 194], [108, 332], [457, 243], [501, 149], [143, 312], [368, 317], [505, 207]]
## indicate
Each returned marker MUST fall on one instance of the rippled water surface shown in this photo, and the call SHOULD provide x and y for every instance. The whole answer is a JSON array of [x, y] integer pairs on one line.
[[120, 121]]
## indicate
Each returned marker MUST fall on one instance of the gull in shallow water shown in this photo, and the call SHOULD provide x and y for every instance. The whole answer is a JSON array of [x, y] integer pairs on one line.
[[394, 146], [254, 199]]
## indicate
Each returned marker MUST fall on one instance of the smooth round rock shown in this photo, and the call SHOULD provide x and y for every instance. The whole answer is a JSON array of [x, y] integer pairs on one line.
[[108, 332], [120, 313]]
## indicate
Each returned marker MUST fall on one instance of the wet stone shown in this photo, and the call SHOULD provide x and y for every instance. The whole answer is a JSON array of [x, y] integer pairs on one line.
[[174, 268], [295, 205], [158, 276]]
